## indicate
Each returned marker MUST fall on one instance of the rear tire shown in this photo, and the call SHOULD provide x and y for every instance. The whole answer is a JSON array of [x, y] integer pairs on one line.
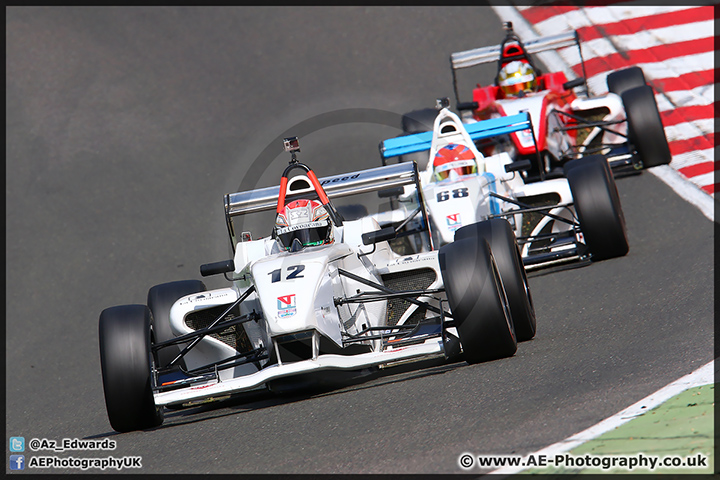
[[645, 128], [160, 299], [477, 300], [126, 364], [504, 247], [597, 204], [622, 80]]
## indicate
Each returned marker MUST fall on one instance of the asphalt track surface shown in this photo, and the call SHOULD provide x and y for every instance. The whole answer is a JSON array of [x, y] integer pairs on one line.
[[125, 128]]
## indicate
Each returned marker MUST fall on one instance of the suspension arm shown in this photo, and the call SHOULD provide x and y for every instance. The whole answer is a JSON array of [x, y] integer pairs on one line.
[[384, 289], [237, 302]]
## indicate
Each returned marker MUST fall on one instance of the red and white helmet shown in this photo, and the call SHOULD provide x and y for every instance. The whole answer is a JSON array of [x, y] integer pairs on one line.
[[306, 221], [454, 158], [516, 77]]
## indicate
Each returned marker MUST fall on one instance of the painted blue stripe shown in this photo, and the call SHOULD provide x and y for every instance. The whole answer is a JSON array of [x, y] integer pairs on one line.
[[494, 203], [493, 127]]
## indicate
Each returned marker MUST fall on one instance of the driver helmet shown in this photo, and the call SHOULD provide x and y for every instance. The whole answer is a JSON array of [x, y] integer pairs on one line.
[[454, 158], [303, 223], [516, 77]]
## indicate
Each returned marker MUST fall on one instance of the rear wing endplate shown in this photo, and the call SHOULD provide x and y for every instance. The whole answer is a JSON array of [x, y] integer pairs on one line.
[[419, 142]]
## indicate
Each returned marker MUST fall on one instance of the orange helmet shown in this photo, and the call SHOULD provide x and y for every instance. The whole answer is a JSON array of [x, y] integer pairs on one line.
[[516, 77], [306, 221], [453, 158]]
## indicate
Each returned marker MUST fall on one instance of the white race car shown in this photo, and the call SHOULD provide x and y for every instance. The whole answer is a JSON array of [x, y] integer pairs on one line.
[[325, 295], [576, 216]]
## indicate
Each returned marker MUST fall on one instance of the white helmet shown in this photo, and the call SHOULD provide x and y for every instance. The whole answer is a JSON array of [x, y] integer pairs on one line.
[[516, 77], [303, 223]]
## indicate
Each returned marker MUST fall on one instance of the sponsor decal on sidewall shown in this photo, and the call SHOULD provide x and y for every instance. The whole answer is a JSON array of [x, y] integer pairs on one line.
[[454, 221], [286, 306]]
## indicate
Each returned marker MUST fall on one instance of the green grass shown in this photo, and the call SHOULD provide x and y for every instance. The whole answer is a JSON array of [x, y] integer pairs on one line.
[[681, 427]]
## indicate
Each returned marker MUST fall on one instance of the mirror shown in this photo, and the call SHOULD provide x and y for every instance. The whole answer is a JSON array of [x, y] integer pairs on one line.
[[387, 233]]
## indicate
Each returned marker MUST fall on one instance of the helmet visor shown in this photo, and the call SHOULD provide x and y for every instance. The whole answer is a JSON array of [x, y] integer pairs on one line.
[[517, 88], [518, 83], [308, 234], [461, 167]]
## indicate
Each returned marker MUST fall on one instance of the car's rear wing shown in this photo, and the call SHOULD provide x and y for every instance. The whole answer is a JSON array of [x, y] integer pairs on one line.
[[477, 56], [419, 142], [363, 181], [354, 183]]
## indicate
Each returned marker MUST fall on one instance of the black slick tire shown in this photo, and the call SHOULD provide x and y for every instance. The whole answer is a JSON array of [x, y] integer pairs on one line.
[[597, 204], [503, 244], [477, 301], [645, 128], [126, 364]]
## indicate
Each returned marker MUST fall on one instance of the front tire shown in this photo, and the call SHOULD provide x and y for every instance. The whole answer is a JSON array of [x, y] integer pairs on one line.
[[126, 364], [477, 300], [160, 299], [597, 204], [504, 247], [645, 128]]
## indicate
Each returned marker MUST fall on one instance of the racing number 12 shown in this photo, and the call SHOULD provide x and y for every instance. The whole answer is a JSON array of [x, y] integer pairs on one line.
[[295, 273]]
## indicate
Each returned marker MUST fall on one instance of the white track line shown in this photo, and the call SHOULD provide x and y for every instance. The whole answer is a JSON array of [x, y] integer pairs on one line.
[[702, 376], [688, 190], [703, 179]]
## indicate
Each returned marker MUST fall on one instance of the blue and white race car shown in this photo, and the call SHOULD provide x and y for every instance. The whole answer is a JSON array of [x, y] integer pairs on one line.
[[556, 220]]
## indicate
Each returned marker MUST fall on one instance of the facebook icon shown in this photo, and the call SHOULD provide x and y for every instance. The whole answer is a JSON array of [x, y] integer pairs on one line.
[[17, 462]]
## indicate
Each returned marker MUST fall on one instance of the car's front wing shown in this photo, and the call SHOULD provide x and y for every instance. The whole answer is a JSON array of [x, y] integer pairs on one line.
[[430, 348]]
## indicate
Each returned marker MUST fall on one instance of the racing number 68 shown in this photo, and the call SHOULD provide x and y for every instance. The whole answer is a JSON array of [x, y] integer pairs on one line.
[[457, 193]]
